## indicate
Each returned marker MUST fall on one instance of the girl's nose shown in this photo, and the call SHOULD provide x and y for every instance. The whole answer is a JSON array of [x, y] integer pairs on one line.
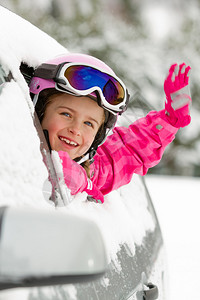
[[75, 128]]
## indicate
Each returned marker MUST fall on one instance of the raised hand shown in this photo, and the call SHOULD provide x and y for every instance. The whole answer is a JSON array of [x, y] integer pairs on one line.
[[176, 87]]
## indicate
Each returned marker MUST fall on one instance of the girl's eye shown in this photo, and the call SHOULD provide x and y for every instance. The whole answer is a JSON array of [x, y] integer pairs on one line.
[[89, 123], [65, 114]]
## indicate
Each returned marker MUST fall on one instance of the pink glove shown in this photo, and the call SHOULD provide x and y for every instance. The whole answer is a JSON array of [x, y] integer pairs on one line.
[[76, 178], [176, 87]]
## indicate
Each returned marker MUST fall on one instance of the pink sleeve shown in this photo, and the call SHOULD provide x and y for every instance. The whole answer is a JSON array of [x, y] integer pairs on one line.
[[74, 175], [132, 150]]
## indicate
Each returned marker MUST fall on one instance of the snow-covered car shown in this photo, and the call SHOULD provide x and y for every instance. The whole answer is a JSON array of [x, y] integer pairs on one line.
[[126, 221]]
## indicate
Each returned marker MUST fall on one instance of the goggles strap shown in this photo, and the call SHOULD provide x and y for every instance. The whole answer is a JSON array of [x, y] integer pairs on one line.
[[47, 71]]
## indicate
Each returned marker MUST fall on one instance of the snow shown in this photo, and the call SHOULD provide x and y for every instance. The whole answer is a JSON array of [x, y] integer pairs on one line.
[[118, 217], [177, 203], [17, 150], [158, 18], [20, 158], [178, 212]]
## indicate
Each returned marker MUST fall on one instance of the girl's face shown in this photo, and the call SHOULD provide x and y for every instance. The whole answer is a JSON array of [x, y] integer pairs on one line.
[[72, 123]]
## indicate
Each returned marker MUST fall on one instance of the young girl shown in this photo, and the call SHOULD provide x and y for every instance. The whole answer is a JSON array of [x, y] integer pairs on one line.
[[78, 99]]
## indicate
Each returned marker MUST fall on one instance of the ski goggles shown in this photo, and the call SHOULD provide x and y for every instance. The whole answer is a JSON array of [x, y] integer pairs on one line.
[[82, 80]]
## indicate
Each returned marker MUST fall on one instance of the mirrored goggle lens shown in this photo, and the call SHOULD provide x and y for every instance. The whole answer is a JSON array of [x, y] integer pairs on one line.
[[84, 77]]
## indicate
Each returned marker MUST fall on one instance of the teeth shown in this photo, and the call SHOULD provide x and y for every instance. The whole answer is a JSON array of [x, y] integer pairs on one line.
[[68, 141]]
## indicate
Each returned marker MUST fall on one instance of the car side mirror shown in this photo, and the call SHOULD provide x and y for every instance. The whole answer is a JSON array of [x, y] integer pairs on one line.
[[40, 247]]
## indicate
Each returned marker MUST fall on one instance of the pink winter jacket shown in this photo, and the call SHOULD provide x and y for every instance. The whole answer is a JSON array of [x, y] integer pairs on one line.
[[128, 150]]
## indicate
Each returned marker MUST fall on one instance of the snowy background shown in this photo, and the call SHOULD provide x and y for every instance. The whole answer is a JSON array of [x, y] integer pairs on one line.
[[177, 202]]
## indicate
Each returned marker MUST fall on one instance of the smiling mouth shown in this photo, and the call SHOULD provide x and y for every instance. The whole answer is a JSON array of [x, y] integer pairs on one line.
[[68, 142]]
